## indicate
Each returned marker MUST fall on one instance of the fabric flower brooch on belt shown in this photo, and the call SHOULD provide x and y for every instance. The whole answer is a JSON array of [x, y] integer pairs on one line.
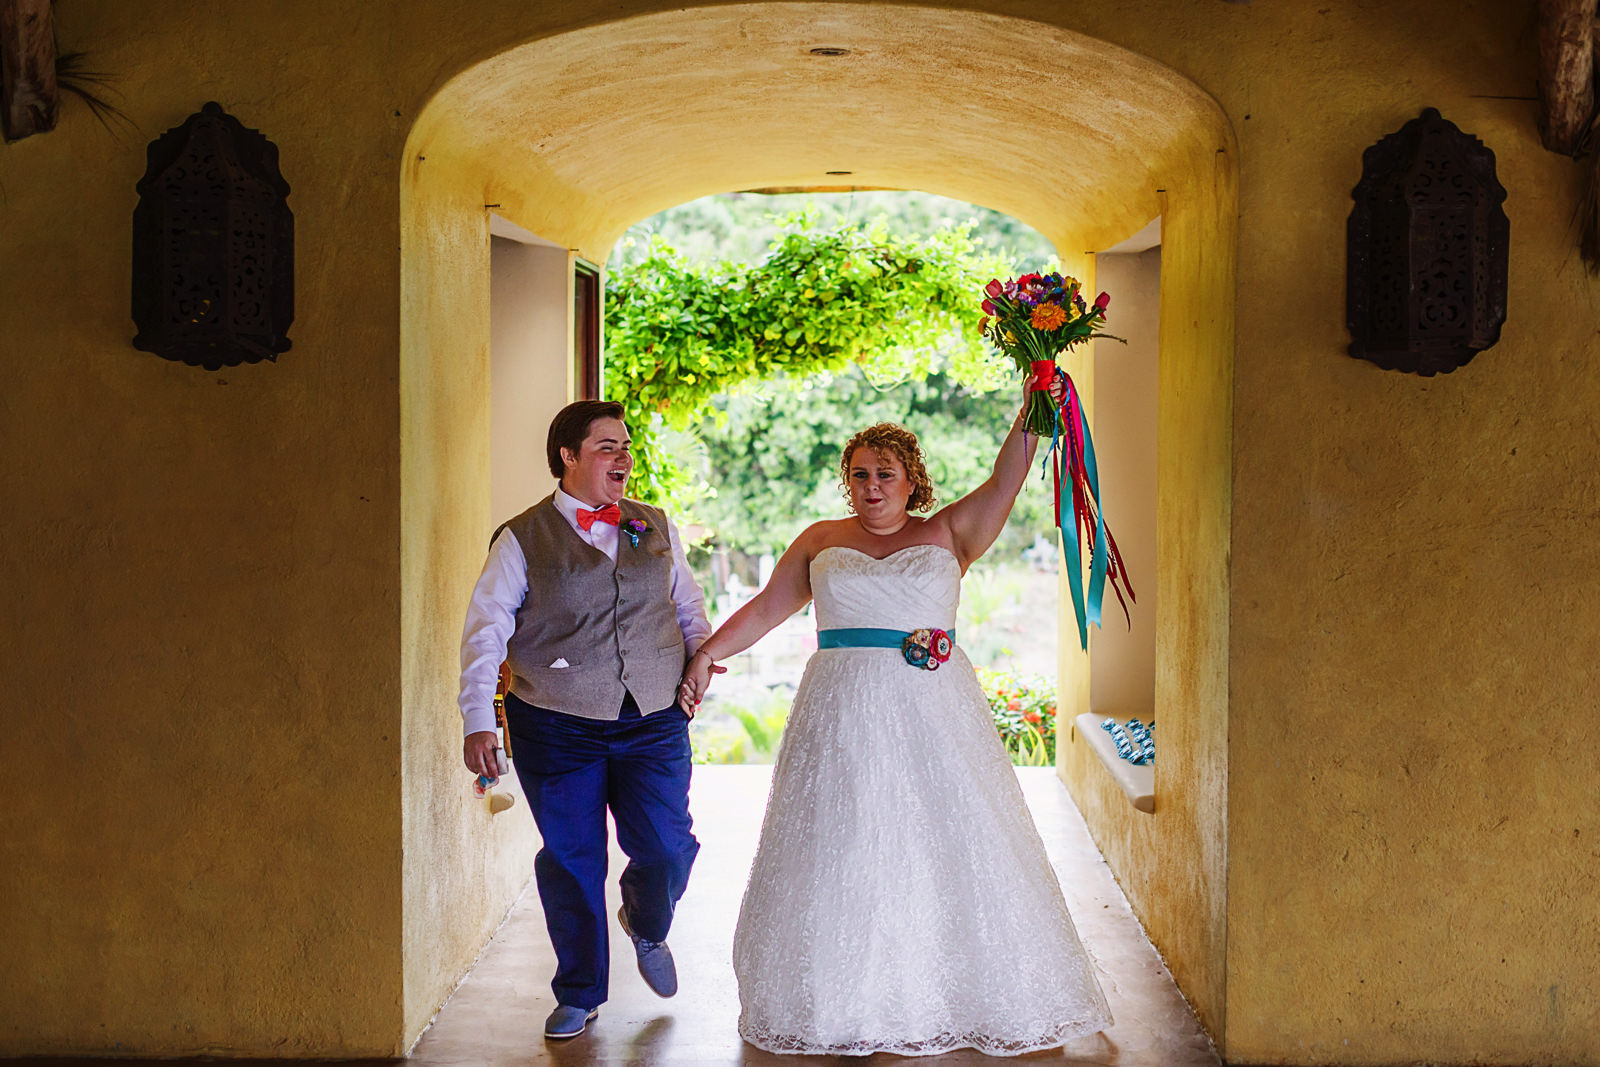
[[927, 648], [633, 529]]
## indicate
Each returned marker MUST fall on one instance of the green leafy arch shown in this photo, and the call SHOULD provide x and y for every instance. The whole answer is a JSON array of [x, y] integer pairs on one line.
[[679, 335]]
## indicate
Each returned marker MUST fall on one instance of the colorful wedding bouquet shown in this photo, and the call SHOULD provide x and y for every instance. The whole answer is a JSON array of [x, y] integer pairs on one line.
[[1032, 319]]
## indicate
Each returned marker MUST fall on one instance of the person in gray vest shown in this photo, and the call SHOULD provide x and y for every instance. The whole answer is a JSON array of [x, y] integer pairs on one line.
[[588, 598]]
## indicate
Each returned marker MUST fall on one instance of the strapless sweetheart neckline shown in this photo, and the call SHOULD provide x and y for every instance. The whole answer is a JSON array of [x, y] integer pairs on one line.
[[892, 555]]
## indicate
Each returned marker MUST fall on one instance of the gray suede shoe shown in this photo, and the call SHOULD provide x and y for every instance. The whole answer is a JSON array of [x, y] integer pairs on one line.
[[655, 960], [568, 1021]]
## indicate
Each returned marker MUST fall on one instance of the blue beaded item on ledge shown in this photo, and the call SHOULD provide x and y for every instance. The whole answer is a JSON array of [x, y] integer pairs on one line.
[[1136, 743]]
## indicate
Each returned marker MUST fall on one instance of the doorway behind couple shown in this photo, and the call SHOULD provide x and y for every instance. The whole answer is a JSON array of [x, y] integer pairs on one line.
[[748, 335], [793, 319]]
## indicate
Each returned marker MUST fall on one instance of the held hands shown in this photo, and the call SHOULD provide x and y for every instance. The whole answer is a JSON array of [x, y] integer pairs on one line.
[[696, 679]]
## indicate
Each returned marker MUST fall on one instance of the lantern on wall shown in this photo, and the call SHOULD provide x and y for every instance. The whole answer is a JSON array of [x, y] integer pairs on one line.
[[1427, 250], [213, 246]]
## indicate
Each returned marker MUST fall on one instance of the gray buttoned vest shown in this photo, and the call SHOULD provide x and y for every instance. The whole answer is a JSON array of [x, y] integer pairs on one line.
[[615, 626]]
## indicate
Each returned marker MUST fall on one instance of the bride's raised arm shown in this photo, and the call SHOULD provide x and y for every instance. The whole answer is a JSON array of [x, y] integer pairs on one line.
[[975, 520], [786, 592]]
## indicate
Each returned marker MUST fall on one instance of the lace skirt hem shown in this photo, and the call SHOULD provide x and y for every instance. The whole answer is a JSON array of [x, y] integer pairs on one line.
[[791, 1044]]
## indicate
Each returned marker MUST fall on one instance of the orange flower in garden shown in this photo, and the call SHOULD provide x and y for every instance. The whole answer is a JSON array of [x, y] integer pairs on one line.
[[1048, 317], [1032, 717], [1014, 705]]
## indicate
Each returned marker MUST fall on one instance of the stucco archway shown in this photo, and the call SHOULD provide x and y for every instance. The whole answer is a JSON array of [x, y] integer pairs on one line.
[[577, 135]]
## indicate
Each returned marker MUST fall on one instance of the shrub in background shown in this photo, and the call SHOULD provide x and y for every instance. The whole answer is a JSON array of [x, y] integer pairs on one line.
[[1024, 710]]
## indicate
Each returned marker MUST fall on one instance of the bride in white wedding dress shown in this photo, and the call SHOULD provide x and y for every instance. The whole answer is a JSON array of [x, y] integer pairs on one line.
[[900, 900]]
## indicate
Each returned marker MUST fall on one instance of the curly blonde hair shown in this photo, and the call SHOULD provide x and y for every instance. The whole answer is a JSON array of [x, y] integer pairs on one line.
[[888, 439]]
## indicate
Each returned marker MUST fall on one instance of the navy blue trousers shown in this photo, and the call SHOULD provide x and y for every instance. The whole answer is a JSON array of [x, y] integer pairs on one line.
[[571, 770]]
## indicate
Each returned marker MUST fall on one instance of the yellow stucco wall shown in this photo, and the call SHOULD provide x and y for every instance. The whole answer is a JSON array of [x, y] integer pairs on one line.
[[199, 831], [1412, 852], [1173, 863], [234, 606], [462, 866]]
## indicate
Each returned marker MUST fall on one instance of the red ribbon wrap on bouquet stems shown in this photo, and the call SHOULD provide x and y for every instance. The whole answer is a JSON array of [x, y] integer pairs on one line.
[[1044, 372]]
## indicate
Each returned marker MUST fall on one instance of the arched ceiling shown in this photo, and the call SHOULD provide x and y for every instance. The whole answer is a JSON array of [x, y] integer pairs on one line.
[[584, 133]]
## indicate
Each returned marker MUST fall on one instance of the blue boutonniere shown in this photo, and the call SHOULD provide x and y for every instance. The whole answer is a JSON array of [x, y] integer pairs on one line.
[[633, 529]]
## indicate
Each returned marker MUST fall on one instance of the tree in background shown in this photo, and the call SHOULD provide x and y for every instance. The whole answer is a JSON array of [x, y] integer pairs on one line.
[[679, 334], [772, 459], [749, 344], [741, 227], [742, 374]]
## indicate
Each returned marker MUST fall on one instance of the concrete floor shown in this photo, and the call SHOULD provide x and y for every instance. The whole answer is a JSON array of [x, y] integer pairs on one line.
[[496, 1016]]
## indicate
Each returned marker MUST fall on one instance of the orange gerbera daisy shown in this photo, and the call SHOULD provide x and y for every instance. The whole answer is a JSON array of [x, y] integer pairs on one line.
[[1048, 317]]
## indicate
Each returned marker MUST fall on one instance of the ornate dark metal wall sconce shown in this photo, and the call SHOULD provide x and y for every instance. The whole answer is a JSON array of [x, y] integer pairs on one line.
[[1427, 250], [213, 246]]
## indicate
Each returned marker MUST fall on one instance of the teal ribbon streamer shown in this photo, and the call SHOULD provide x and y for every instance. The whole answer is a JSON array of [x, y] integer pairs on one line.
[[1100, 561], [865, 637], [1069, 545], [1086, 604], [1069, 541]]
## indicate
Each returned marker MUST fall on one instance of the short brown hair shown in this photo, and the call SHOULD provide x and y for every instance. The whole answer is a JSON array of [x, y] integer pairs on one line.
[[571, 426], [900, 443]]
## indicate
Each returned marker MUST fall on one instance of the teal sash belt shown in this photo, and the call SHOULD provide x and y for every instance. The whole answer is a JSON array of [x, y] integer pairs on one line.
[[865, 637]]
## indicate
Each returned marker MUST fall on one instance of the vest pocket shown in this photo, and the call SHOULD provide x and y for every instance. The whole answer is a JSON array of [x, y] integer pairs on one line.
[[551, 669]]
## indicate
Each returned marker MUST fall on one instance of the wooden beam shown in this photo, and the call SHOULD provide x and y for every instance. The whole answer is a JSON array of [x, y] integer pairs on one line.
[[1566, 73], [27, 68]]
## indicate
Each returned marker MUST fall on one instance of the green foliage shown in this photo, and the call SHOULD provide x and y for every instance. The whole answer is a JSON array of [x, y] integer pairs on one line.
[[994, 589], [741, 226], [772, 453], [754, 738], [981, 601], [716, 745], [679, 336], [1024, 712], [764, 725]]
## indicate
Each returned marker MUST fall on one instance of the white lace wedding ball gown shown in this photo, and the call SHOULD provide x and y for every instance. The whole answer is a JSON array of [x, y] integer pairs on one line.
[[901, 900]]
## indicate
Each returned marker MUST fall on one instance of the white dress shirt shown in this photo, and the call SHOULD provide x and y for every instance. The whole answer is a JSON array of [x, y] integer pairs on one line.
[[502, 587]]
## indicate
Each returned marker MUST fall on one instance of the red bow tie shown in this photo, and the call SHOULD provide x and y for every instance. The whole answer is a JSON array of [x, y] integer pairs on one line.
[[610, 513]]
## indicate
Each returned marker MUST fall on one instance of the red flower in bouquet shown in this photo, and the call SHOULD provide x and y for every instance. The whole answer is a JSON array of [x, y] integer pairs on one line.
[[1032, 319]]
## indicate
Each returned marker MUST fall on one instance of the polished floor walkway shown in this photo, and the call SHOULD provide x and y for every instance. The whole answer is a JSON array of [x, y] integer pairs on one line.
[[495, 1017]]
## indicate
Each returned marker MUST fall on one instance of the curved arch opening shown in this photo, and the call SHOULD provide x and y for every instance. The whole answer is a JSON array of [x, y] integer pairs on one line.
[[574, 137]]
